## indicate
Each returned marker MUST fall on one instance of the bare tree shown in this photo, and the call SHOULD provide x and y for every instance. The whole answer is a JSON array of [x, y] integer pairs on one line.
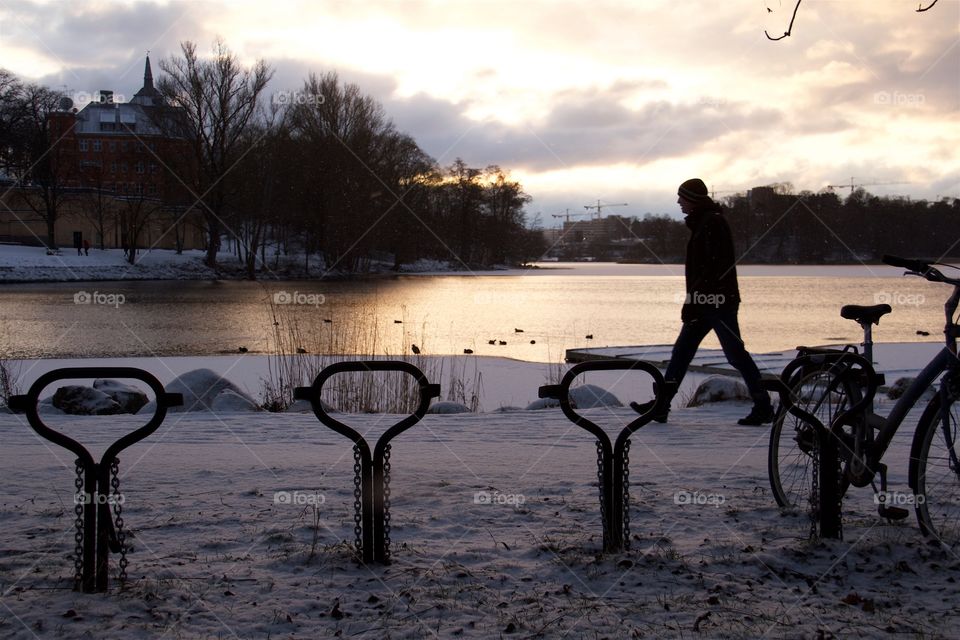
[[213, 103], [796, 7], [46, 155]]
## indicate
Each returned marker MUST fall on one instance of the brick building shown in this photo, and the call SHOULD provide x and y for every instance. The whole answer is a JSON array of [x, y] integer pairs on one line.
[[119, 169]]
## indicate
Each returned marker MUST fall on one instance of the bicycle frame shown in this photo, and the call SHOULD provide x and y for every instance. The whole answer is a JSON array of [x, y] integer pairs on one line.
[[943, 362]]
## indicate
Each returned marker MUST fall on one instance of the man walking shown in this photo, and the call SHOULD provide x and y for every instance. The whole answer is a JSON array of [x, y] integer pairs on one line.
[[712, 302]]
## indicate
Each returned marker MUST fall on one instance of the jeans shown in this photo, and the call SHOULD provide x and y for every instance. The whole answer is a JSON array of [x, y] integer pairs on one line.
[[724, 323]]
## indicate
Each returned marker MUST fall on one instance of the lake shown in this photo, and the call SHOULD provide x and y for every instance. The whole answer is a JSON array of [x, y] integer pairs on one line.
[[555, 307]]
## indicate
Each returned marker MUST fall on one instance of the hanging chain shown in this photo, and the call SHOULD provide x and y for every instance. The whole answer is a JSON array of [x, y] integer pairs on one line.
[[79, 500], [386, 501], [815, 486], [626, 495], [839, 493], [118, 517], [357, 500], [603, 509]]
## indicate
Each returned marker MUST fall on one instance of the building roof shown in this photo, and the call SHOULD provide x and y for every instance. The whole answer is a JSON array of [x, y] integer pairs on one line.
[[138, 116]]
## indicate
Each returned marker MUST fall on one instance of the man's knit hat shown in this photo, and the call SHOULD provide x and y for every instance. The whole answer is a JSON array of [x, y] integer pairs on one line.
[[694, 190]]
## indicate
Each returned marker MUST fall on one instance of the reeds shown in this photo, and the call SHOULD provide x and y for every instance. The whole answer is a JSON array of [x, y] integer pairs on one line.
[[302, 346]]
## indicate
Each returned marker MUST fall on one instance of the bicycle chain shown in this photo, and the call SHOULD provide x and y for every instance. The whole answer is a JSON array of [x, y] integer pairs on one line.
[[386, 502], [78, 525], [118, 518], [357, 500]]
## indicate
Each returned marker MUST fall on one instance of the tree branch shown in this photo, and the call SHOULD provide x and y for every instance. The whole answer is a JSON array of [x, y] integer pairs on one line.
[[921, 9], [790, 27]]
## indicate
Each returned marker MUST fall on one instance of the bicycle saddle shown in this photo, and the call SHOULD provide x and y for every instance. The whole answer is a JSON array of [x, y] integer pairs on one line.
[[861, 314]]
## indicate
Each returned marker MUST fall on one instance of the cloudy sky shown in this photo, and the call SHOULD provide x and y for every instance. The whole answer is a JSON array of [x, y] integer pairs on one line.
[[580, 101]]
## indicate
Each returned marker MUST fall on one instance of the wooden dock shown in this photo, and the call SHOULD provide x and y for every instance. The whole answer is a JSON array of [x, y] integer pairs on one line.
[[710, 361]]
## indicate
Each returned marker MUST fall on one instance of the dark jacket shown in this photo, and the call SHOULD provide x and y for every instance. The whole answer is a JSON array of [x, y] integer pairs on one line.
[[710, 270]]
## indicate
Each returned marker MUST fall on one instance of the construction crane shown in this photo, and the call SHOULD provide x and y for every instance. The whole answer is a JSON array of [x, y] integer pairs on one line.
[[599, 207], [854, 184], [567, 215]]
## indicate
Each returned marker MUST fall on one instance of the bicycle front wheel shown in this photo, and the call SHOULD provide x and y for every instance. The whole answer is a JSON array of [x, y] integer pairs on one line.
[[935, 472], [792, 441]]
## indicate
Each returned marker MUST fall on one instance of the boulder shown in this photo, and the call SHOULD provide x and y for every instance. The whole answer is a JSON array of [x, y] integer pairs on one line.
[[130, 398], [589, 396], [448, 407], [719, 389], [200, 389], [898, 388], [230, 400], [79, 400]]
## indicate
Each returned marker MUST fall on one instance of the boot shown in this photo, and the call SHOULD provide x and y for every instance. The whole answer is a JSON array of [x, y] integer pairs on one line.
[[670, 390], [758, 415]]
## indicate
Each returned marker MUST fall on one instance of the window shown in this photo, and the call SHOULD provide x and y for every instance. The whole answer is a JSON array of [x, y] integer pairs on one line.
[[139, 188], [113, 166], [152, 188], [83, 145], [96, 146], [123, 167], [123, 146], [153, 167], [140, 166], [112, 145]]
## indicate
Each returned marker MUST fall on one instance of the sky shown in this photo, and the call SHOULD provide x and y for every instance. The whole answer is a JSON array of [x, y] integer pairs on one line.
[[616, 102]]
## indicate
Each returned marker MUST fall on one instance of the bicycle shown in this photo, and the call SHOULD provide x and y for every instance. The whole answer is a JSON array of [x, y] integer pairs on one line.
[[827, 436]]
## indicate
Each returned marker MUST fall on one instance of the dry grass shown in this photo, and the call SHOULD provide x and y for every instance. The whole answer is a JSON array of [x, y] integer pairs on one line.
[[301, 350]]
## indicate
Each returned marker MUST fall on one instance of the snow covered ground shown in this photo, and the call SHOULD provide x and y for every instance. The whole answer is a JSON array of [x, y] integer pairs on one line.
[[495, 528], [33, 264]]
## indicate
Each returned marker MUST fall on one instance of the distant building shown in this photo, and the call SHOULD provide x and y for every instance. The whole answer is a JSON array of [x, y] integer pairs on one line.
[[119, 167]]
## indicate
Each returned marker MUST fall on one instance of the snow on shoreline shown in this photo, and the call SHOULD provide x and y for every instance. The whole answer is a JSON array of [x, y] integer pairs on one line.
[[217, 554], [21, 264]]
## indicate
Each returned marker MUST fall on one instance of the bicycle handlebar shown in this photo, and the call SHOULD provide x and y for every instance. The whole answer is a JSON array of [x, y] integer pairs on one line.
[[906, 263]]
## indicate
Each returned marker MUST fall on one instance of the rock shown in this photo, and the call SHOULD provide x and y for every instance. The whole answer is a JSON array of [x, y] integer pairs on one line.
[[507, 409], [130, 398], [590, 396], [78, 400], [719, 389], [543, 403], [900, 387], [230, 400], [201, 387], [448, 408]]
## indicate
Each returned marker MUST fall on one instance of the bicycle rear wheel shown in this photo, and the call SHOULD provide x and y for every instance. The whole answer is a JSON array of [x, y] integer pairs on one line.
[[935, 472], [790, 455]]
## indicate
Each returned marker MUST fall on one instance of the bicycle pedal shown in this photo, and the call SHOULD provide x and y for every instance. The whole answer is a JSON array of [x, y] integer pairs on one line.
[[892, 513]]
